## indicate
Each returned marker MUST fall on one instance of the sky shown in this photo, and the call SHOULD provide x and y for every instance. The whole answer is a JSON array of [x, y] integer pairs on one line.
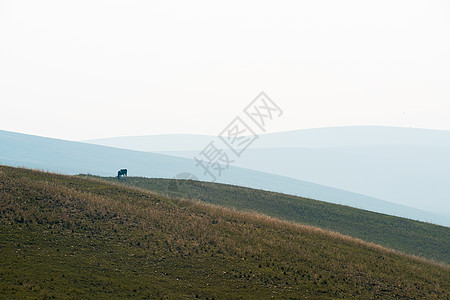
[[89, 69]]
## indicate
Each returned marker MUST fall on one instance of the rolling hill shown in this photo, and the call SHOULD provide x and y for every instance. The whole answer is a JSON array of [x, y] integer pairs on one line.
[[328, 137], [71, 237], [407, 166], [412, 237], [69, 157]]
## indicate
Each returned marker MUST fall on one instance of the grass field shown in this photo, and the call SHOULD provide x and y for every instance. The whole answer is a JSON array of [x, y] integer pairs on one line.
[[412, 237], [72, 237]]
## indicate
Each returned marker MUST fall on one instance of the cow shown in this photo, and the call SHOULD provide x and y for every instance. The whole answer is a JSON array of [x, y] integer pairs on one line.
[[121, 173]]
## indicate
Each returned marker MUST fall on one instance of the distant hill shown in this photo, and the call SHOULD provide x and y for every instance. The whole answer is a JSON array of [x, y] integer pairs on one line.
[[328, 137], [156, 143], [412, 237], [75, 157], [69, 237], [407, 166]]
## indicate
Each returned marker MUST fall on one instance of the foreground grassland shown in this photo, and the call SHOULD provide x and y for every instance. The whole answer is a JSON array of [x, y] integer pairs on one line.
[[412, 237], [71, 237]]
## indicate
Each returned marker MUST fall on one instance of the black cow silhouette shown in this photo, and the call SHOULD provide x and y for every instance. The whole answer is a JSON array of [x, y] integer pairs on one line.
[[121, 173]]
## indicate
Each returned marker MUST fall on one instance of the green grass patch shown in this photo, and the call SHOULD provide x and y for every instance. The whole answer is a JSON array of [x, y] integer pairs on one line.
[[409, 236], [71, 237]]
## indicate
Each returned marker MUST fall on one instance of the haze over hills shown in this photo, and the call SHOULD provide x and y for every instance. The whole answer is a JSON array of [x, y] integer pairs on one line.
[[69, 157], [406, 166], [305, 138]]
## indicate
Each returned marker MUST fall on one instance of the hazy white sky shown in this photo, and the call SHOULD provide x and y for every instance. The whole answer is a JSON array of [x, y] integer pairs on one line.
[[88, 69]]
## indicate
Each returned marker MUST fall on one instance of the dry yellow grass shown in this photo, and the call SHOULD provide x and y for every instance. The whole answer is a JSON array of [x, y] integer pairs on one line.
[[64, 236]]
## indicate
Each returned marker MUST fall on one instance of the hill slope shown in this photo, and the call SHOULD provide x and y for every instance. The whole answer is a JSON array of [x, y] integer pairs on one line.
[[318, 138], [407, 166], [412, 237], [73, 158], [71, 237]]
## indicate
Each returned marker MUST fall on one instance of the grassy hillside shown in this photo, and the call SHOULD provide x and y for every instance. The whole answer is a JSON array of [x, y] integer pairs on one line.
[[409, 236], [351, 158], [63, 236]]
